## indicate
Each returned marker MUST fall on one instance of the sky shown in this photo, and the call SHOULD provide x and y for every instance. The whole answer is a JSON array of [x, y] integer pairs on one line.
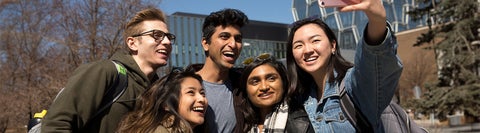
[[278, 11]]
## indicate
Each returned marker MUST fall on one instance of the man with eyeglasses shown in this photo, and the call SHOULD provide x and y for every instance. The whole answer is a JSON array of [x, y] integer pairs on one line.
[[222, 44], [149, 46]]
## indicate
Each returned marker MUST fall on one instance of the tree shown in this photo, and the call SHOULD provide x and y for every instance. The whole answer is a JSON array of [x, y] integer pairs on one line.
[[43, 41], [417, 70], [453, 27]]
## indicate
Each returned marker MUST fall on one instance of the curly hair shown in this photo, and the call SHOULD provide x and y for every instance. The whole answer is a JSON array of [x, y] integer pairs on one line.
[[225, 17]]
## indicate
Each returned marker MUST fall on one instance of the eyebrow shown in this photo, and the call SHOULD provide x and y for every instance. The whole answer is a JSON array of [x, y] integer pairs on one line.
[[226, 32], [194, 88], [309, 38], [316, 35], [266, 75]]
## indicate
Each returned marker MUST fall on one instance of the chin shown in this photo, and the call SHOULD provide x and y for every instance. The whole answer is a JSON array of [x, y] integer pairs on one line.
[[310, 69], [228, 65], [194, 124], [162, 63]]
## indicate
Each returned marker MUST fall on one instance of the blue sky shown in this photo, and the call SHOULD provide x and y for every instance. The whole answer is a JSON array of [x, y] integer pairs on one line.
[[278, 11]]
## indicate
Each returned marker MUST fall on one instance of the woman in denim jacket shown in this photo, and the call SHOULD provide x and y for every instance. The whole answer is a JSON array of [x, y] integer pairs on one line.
[[316, 69]]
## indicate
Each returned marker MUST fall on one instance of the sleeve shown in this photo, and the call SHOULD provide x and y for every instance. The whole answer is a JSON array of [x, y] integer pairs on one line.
[[80, 98], [375, 76]]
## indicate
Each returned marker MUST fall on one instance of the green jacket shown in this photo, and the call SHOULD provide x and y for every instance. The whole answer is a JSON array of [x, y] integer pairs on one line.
[[81, 97]]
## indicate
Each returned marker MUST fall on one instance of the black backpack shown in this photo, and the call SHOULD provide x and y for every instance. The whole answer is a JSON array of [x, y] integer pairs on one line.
[[111, 95], [394, 117]]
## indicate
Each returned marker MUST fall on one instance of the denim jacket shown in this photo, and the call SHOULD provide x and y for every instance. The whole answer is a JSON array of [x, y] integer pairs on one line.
[[370, 84]]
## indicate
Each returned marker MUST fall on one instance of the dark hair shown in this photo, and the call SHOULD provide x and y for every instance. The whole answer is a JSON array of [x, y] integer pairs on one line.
[[252, 118], [301, 80], [156, 106], [225, 17]]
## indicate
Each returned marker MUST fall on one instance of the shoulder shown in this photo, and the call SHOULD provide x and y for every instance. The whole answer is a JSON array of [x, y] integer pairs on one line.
[[94, 70], [235, 73], [298, 121], [101, 64], [161, 129], [296, 112], [194, 67]]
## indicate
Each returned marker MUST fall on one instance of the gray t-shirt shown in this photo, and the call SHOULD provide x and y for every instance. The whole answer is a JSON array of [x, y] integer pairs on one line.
[[220, 115]]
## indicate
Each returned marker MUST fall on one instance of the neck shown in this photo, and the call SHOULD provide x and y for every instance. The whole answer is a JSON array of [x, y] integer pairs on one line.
[[213, 73], [147, 69], [320, 78], [264, 112], [260, 127]]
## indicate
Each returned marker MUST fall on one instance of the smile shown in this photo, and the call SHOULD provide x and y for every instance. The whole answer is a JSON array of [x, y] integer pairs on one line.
[[265, 95], [162, 51], [198, 109], [229, 54], [310, 59]]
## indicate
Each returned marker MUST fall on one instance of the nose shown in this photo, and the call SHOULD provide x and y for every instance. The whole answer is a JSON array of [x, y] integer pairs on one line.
[[264, 87], [201, 99], [167, 41], [233, 43], [308, 48]]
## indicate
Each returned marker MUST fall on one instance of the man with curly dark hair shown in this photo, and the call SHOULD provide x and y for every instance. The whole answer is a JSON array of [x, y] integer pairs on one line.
[[222, 44]]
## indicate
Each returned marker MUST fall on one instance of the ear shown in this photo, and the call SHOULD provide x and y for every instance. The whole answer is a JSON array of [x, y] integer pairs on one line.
[[132, 43], [334, 47], [204, 44]]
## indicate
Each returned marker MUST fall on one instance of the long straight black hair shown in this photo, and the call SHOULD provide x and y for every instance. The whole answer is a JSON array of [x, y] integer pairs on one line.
[[158, 106], [300, 81], [251, 118]]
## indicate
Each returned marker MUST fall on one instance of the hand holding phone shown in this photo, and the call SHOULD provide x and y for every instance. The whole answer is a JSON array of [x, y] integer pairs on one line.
[[337, 3]]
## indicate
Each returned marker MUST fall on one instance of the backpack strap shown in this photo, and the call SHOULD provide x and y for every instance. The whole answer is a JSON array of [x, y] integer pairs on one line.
[[354, 116], [401, 115], [113, 93]]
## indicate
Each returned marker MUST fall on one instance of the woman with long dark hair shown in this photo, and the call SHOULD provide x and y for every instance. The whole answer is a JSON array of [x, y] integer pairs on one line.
[[316, 69], [263, 85], [176, 103]]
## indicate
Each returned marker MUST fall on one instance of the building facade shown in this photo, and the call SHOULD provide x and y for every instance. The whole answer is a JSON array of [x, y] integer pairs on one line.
[[349, 25], [258, 37]]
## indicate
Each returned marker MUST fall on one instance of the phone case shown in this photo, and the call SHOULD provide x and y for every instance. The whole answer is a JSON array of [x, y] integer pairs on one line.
[[337, 3]]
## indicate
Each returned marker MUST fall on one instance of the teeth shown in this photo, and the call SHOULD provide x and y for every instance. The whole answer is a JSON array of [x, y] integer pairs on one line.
[[198, 108], [311, 59], [263, 94], [162, 51], [229, 53]]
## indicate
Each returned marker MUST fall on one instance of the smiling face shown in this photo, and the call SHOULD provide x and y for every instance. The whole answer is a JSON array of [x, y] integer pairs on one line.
[[146, 50], [192, 102], [225, 46], [311, 48], [264, 87]]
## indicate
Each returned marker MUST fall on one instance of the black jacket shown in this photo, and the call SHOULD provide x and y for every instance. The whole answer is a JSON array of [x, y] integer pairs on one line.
[[297, 121]]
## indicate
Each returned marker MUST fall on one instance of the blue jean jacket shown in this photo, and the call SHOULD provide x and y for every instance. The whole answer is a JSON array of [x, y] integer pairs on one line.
[[370, 84]]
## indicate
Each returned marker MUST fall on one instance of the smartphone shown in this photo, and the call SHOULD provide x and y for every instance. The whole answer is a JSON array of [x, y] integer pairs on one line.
[[337, 3]]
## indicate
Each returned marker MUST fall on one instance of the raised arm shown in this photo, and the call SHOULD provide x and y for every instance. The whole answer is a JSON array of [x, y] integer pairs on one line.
[[376, 28]]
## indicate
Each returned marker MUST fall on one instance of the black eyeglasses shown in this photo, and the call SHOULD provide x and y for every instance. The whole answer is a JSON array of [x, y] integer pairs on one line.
[[158, 35], [261, 57]]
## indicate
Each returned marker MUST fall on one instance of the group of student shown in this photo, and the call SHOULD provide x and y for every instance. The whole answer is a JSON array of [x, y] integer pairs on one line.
[[263, 96]]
